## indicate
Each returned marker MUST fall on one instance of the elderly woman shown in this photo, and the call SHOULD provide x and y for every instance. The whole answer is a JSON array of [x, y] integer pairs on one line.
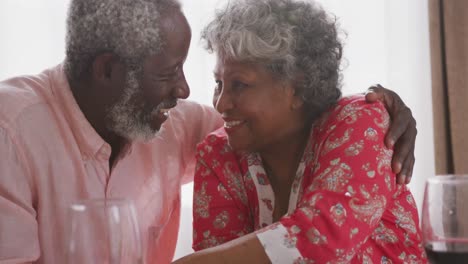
[[298, 174]]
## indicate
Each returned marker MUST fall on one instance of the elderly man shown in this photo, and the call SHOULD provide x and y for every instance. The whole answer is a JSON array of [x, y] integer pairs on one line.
[[92, 127]]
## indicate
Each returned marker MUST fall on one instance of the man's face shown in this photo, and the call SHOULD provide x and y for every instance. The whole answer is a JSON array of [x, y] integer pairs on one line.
[[154, 88]]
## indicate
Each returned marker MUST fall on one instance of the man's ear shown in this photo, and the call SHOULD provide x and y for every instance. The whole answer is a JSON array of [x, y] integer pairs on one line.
[[104, 66]]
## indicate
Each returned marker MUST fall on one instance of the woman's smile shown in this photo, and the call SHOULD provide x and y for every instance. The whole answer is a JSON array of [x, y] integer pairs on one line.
[[232, 125]]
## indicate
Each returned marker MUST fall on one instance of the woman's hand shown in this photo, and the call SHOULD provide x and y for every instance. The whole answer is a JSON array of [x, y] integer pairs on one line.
[[402, 132]]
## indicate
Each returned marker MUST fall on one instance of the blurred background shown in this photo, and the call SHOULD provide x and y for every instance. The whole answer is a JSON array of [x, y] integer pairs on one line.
[[386, 42]]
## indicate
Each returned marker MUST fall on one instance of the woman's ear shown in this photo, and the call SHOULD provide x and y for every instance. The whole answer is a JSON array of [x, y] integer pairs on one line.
[[297, 101]]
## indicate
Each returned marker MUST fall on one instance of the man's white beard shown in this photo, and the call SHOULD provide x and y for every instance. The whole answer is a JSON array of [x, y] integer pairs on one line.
[[129, 117]]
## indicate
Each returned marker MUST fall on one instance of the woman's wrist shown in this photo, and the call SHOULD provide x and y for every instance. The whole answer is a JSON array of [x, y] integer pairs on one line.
[[247, 249]]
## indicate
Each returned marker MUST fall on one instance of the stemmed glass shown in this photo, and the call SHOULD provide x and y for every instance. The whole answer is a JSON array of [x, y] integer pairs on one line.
[[445, 219], [103, 231]]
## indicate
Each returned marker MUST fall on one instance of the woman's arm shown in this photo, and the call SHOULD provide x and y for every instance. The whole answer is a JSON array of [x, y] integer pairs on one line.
[[246, 249], [220, 211], [220, 207]]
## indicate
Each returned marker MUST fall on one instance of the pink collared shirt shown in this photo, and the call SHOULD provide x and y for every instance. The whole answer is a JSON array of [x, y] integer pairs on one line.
[[50, 156]]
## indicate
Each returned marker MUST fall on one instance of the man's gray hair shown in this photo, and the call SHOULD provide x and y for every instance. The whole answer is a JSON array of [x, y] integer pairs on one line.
[[127, 28], [295, 40]]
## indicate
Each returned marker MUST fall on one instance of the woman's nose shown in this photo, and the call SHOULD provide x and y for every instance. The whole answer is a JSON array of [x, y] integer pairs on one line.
[[223, 101]]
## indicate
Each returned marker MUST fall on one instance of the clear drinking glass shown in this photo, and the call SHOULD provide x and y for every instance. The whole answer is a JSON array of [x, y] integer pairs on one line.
[[445, 219], [103, 231]]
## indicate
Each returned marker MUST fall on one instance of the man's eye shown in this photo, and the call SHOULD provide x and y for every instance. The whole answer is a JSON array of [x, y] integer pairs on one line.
[[169, 75], [165, 77]]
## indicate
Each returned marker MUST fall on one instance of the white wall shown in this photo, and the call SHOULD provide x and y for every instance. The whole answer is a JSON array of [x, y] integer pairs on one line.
[[408, 73], [31, 35], [387, 42]]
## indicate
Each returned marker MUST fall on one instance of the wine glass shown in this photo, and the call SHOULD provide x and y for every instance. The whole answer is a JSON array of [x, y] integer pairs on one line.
[[103, 231], [445, 219]]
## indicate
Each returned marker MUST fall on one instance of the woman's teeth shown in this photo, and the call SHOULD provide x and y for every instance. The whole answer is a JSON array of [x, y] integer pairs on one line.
[[231, 124]]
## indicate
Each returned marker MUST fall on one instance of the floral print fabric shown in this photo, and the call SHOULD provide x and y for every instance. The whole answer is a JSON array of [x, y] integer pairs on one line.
[[344, 206]]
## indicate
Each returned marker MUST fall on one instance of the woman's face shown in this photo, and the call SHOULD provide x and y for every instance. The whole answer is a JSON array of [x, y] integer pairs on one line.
[[259, 110]]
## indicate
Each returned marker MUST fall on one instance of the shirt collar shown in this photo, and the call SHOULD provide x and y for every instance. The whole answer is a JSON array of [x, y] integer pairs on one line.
[[89, 141]]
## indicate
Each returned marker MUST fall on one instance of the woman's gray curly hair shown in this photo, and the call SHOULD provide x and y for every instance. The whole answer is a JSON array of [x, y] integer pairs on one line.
[[127, 28], [295, 40]]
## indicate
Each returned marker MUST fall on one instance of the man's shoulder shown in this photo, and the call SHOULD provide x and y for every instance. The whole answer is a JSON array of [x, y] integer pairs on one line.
[[192, 119], [21, 94], [188, 109]]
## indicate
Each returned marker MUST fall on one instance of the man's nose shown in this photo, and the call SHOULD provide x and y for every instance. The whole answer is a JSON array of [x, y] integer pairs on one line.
[[181, 89]]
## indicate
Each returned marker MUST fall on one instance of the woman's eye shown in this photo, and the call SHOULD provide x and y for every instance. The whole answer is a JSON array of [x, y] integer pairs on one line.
[[237, 85], [218, 86]]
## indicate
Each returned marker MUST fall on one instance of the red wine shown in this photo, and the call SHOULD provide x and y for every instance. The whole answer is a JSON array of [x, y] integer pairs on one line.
[[447, 252], [440, 257]]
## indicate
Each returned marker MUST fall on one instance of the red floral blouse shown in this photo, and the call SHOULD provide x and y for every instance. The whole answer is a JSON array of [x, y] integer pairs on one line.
[[344, 207]]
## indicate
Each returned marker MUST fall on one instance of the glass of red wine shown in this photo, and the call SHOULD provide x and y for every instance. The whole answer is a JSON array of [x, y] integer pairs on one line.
[[445, 219]]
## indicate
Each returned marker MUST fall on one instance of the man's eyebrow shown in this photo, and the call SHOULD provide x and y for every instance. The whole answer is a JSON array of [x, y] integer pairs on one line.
[[170, 67]]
